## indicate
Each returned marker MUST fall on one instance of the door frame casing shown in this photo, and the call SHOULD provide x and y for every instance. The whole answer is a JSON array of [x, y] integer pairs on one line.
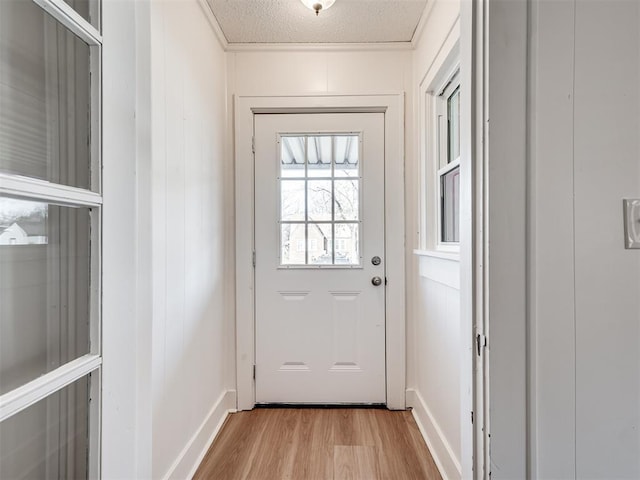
[[392, 105]]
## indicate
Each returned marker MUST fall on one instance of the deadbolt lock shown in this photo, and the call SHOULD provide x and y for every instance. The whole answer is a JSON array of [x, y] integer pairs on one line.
[[376, 260]]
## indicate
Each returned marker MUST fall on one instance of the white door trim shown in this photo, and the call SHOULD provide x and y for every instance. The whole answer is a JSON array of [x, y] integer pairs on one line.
[[393, 108]]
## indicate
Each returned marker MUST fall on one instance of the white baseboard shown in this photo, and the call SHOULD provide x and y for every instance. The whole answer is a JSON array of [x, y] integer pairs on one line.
[[441, 451], [192, 454]]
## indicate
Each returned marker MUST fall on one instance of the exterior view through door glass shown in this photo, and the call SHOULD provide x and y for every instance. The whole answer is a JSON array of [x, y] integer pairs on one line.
[[319, 200], [319, 213]]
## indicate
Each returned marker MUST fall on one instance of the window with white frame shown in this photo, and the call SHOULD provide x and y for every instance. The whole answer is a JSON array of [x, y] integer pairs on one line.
[[448, 161], [50, 218]]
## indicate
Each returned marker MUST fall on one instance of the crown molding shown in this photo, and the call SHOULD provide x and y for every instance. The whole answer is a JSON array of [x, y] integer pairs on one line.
[[319, 47], [213, 21], [424, 18]]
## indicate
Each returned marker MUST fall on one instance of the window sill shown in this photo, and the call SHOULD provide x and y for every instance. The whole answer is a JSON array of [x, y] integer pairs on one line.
[[440, 267], [451, 256]]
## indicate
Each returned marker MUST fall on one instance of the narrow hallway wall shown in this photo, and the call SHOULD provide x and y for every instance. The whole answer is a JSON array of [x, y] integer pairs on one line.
[[584, 307], [434, 324], [191, 341]]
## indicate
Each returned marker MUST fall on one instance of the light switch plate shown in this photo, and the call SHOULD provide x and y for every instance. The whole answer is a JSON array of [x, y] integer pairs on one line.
[[631, 222]]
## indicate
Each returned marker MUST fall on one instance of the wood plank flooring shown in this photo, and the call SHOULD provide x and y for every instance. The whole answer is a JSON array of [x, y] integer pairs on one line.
[[318, 444]]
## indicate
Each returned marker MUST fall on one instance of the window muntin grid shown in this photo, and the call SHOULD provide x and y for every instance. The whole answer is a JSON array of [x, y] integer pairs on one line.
[[65, 77], [319, 195], [448, 161]]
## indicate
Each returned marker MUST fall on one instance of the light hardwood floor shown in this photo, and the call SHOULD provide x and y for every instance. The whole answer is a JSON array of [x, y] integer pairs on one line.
[[318, 444]]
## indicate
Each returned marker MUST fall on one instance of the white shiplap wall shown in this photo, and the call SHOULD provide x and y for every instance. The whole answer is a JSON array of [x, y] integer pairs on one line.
[[434, 349], [167, 318], [585, 312], [192, 327]]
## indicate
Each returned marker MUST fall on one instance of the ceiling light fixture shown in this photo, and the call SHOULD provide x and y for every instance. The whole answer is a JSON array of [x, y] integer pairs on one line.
[[317, 5]]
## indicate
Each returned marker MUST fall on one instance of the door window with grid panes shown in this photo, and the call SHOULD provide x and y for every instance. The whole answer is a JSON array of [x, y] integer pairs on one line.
[[319, 184], [50, 218]]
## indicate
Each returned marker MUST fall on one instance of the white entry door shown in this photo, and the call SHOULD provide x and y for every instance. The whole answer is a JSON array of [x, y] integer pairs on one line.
[[320, 266]]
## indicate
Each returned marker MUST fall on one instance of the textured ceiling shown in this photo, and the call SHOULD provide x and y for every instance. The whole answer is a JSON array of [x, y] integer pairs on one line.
[[289, 21]]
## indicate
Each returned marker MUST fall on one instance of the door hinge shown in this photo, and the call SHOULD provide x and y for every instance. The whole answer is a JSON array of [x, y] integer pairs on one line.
[[481, 341], [471, 414], [253, 144], [253, 259], [254, 372]]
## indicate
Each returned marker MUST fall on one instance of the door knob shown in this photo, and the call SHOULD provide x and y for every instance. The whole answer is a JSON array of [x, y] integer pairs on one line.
[[377, 281]]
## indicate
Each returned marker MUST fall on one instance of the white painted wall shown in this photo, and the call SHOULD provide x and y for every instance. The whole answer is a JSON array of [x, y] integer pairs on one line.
[[122, 383], [433, 304], [563, 292], [191, 344], [584, 286], [317, 71], [168, 328]]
